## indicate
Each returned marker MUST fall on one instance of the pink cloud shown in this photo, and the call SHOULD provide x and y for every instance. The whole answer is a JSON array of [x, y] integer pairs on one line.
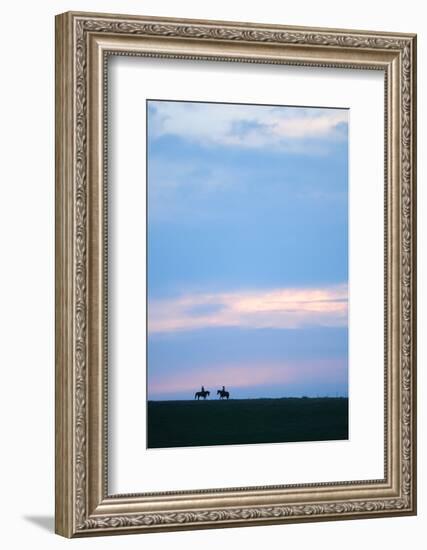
[[219, 123], [312, 126], [238, 376], [277, 308]]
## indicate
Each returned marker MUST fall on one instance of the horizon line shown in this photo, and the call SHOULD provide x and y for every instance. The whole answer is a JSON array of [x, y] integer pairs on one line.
[[263, 397]]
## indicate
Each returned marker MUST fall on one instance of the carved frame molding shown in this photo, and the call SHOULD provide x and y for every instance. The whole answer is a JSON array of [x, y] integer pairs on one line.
[[83, 43]]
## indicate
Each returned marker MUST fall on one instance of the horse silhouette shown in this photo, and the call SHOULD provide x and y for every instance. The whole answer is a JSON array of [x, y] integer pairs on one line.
[[203, 393], [223, 394]]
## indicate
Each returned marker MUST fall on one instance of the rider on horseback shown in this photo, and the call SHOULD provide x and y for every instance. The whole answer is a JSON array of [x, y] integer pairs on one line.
[[201, 394], [223, 394]]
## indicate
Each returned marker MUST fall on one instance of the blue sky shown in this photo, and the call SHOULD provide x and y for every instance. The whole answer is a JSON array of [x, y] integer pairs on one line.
[[247, 249]]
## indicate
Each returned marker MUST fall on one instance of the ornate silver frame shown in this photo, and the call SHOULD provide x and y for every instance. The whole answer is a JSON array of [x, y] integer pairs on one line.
[[83, 505]]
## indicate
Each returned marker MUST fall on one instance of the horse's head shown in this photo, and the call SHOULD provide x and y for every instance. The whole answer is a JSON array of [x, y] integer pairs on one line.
[[218, 392]]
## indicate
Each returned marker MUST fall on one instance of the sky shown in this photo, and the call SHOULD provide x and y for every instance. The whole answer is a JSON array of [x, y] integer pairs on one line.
[[247, 250]]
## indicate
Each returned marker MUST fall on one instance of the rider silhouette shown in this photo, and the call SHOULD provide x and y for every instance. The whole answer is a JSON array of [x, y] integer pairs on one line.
[[223, 388], [203, 388]]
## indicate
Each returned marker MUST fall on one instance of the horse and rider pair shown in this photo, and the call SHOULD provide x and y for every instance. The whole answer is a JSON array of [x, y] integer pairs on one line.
[[223, 394]]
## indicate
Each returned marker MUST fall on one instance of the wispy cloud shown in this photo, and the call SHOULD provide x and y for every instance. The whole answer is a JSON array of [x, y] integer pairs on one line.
[[246, 126], [278, 308], [238, 376]]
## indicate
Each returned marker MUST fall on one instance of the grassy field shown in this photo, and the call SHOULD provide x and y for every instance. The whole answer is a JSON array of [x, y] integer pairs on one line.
[[214, 422]]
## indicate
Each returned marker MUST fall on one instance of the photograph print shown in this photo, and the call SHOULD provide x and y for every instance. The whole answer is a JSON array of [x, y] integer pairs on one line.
[[247, 270]]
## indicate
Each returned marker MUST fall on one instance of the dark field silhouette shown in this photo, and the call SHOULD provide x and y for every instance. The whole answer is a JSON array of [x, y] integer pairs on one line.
[[240, 421]]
